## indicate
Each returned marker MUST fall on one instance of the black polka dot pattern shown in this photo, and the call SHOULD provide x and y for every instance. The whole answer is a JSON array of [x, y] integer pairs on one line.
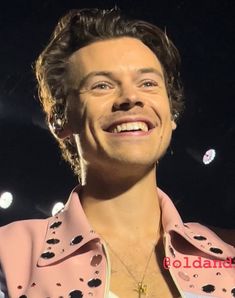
[[96, 260], [47, 255], [208, 288], [76, 240], [216, 250], [76, 294], [53, 241], [95, 282], [55, 224], [199, 237]]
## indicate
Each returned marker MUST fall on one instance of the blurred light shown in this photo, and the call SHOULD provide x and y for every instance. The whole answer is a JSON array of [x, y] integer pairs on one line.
[[209, 156], [57, 207], [6, 199]]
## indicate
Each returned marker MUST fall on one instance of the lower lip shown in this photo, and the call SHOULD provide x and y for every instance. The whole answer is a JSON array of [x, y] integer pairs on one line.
[[131, 133]]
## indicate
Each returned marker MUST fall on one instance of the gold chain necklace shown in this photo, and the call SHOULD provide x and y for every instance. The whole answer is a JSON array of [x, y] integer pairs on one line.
[[141, 288]]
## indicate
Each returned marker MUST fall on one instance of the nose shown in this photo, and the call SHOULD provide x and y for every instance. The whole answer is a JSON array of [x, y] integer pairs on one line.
[[127, 100]]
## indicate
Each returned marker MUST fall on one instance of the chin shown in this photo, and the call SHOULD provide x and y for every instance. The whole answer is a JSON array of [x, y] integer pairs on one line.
[[135, 160]]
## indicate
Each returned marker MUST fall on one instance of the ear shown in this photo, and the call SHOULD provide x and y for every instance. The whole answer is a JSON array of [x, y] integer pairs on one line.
[[173, 124], [59, 130], [63, 133]]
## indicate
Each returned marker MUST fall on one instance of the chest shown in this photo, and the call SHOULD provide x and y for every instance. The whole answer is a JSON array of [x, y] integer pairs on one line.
[[125, 282]]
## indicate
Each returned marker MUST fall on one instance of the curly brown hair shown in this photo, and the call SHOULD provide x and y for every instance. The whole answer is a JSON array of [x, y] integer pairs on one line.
[[79, 28]]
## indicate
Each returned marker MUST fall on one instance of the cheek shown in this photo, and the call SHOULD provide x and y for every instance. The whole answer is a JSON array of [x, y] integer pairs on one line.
[[166, 135], [79, 115], [89, 131], [75, 114]]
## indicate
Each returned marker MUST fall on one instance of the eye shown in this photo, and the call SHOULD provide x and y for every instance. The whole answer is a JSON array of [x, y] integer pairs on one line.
[[102, 86], [148, 83]]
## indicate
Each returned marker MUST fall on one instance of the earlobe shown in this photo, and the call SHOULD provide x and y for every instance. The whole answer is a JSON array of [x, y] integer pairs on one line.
[[63, 133], [173, 125]]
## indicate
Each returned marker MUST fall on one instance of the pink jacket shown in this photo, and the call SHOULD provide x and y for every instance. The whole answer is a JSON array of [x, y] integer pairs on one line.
[[63, 257]]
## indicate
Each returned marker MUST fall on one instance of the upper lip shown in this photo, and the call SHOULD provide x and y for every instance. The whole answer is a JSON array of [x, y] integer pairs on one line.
[[129, 119]]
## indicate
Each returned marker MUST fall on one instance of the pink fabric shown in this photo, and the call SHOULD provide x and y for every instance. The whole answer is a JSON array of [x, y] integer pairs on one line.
[[71, 268]]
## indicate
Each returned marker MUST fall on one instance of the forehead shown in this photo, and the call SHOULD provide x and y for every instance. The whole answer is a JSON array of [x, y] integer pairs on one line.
[[115, 55]]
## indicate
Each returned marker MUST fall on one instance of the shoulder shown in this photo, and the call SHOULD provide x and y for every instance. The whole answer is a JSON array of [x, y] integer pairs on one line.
[[24, 238], [225, 235], [23, 229]]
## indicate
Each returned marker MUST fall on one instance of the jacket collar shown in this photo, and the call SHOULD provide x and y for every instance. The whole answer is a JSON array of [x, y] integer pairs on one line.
[[201, 237], [69, 230]]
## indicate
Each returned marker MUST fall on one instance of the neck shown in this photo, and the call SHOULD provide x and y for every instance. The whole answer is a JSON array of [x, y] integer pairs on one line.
[[126, 207]]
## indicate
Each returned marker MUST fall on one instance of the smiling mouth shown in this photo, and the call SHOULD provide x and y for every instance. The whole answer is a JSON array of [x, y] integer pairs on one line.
[[129, 127]]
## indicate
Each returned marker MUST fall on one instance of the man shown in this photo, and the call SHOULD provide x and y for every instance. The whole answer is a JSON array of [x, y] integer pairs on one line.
[[111, 90]]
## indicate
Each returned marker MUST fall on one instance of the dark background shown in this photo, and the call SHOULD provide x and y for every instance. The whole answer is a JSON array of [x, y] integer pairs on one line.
[[31, 166]]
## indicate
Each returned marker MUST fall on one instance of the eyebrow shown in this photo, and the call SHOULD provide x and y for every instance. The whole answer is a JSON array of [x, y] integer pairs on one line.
[[94, 74], [151, 70], [111, 74]]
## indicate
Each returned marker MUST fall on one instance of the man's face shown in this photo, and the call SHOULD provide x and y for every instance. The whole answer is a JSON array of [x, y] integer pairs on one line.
[[121, 111]]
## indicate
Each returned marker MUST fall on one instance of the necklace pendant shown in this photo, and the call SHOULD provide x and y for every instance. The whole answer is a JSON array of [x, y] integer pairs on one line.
[[142, 289]]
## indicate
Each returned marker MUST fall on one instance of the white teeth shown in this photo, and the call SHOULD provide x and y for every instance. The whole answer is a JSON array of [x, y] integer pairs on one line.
[[130, 126]]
